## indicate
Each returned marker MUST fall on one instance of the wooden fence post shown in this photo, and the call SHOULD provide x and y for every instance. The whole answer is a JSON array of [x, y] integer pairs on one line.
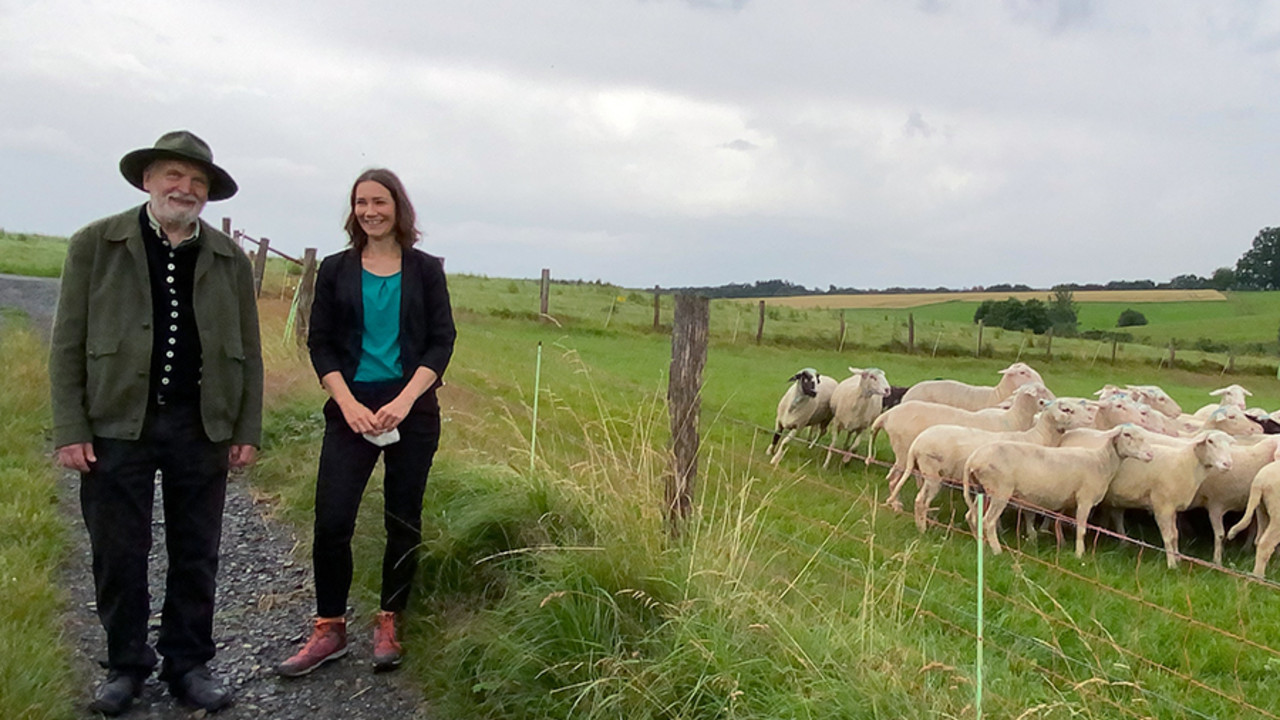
[[1172, 355], [226, 226], [544, 295], [1231, 362], [1114, 341], [684, 399], [911, 333], [977, 352], [760, 327], [306, 293], [1048, 345], [657, 306], [840, 348], [260, 266]]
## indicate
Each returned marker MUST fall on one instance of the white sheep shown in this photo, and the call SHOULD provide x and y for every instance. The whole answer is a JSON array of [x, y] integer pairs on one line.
[[1157, 398], [1230, 396], [1230, 420], [903, 423], [855, 404], [939, 452], [1167, 485], [1264, 500], [807, 403], [974, 397], [1052, 478], [1228, 490]]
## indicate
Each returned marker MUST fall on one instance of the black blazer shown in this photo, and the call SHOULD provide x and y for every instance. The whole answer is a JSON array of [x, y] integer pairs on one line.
[[337, 315]]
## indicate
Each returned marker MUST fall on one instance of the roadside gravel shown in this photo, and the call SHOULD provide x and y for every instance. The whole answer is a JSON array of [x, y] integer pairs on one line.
[[264, 607]]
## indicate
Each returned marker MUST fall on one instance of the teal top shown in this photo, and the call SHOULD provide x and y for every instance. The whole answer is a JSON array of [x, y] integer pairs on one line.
[[380, 343]]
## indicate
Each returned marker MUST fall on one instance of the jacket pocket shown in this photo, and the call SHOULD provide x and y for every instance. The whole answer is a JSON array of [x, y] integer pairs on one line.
[[106, 380]]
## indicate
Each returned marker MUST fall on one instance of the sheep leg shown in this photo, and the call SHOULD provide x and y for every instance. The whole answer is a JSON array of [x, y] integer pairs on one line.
[[930, 485], [852, 444], [1167, 519], [991, 521], [782, 447], [895, 487], [1084, 506], [1267, 542], [773, 446], [1219, 532]]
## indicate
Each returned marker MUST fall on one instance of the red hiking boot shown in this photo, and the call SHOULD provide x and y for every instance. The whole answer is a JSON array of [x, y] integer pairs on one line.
[[328, 641], [387, 653]]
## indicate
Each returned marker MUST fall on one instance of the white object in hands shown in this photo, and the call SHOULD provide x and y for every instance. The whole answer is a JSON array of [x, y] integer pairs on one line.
[[383, 439]]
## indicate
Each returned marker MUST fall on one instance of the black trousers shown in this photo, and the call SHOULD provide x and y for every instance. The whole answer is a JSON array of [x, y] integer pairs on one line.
[[346, 462], [116, 500]]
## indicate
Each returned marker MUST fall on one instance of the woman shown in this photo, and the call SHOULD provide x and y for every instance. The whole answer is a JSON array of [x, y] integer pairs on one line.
[[381, 336]]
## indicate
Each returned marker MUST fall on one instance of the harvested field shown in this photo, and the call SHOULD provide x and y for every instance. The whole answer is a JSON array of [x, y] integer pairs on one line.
[[909, 300]]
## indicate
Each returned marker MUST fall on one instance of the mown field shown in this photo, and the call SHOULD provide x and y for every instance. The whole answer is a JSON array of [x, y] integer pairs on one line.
[[552, 588]]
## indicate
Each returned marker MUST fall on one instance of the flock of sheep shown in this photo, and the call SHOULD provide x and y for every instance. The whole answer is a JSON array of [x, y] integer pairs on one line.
[[1131, 447]]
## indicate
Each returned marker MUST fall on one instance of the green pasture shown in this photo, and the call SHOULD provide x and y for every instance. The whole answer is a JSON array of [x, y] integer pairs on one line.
[[792, 592], [30, 254], [552, 587]]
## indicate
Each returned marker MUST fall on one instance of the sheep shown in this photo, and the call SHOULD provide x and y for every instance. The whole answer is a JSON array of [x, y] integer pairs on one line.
[[807, 403], [1226, 490], [1168, 484], [903, 423], [855, 403], [894, 398], [1230, 420], [1231, 396], [1157, 398], [939, 452], [1054, 478], [974, 397], [1264, 500]]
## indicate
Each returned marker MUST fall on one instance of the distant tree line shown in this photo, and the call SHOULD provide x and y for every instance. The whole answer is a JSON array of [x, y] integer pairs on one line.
[[1257, 269]]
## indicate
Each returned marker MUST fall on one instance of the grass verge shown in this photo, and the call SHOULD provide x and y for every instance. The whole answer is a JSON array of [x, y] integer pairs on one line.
[[34, 669]]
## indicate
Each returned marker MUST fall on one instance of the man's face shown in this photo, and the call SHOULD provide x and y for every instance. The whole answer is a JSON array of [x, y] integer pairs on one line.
[[179, 190]]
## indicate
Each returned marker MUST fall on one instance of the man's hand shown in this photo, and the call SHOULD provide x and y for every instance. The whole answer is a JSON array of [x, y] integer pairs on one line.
[[77, 456], [242, 455]]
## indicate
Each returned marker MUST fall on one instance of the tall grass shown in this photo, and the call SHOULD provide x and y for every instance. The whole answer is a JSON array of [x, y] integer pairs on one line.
[[34, 668]]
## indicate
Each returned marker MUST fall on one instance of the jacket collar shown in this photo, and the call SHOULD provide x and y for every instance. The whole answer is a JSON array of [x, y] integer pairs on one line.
[[126, 226]]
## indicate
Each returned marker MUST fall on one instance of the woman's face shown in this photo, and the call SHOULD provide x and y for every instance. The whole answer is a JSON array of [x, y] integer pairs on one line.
[[375, 210]]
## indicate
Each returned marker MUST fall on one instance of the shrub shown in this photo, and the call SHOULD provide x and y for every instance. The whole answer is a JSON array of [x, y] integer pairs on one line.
[[1130, 318]]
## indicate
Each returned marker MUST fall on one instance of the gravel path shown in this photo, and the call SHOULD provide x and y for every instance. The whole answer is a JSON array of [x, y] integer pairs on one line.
[[265, 603]]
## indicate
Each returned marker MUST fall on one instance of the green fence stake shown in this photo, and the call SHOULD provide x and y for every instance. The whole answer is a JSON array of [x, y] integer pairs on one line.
[[537, 382], [978, 684]]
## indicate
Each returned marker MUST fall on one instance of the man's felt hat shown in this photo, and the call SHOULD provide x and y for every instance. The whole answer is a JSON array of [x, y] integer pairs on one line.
[[179, 145]]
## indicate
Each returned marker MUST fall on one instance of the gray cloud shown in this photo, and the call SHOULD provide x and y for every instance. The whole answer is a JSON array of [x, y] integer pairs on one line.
[[943, 143]]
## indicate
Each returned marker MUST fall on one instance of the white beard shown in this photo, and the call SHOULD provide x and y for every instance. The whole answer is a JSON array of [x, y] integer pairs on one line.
[[169, 214]]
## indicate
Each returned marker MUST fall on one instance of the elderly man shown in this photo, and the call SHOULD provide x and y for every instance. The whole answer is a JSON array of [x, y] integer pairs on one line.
[[156, 365]]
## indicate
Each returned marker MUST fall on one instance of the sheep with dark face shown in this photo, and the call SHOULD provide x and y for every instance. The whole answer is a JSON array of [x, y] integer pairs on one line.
[[807, 403]]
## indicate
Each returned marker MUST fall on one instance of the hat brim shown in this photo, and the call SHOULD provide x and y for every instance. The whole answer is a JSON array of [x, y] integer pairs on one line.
[[133, 165]]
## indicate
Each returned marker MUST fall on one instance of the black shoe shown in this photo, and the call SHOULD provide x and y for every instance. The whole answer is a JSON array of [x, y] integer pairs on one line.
[[116, 694], [200, 689]]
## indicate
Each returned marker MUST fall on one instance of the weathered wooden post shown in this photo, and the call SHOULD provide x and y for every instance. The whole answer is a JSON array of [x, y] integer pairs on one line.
[[260, 266], [1114, 341], [544, 294], [1048, 344], [1172, 355], [760, 327], [911, 333], [226, 226], [306, 293], [840, 347], [1231, 362], [977, 352], [684, 399], [657, 306]]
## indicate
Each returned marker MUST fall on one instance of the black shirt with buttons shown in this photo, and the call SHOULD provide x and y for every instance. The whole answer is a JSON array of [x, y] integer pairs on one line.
[[175, 347]]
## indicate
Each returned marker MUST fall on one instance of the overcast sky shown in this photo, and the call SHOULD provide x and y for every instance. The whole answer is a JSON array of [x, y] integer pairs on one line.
[[866, 143]]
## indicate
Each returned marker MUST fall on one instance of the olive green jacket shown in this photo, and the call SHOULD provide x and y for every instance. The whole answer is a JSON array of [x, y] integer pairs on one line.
[[100, 356]]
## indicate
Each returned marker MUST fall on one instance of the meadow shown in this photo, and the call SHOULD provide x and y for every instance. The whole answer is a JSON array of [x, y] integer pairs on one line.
[[550, 586]]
